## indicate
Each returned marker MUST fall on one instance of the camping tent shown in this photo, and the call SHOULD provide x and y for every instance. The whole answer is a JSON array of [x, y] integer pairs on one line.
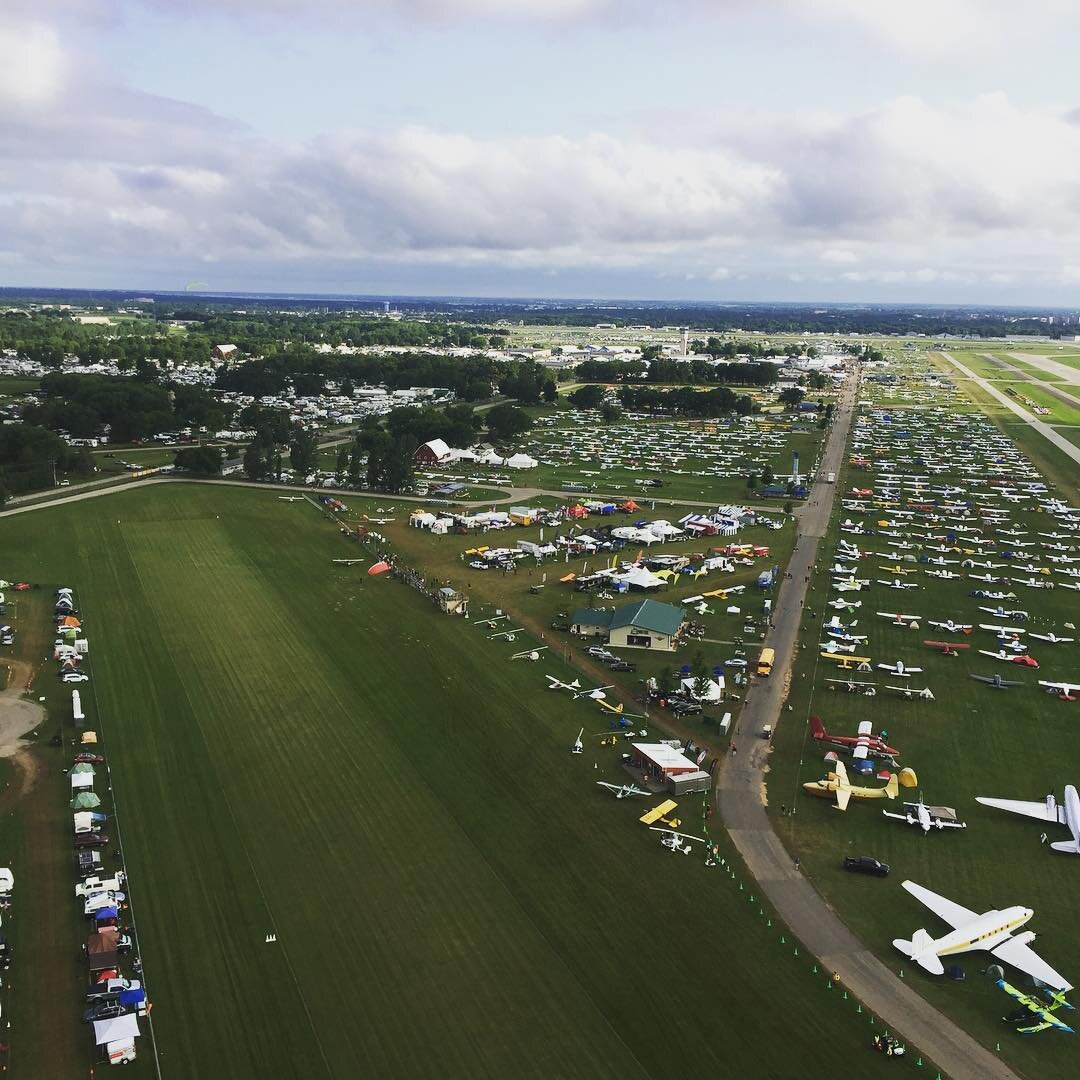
[[83, 767], [85, 800], [81, 781]]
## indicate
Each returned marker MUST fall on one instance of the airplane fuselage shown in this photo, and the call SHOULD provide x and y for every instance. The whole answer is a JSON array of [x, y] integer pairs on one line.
[[988, 931]]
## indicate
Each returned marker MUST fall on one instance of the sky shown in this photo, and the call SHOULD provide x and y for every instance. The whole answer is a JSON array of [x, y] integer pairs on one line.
[[804, 150]]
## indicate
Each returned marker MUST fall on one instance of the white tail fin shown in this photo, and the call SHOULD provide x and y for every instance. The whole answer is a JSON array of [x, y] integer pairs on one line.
[[1070, 847], [919, 949]]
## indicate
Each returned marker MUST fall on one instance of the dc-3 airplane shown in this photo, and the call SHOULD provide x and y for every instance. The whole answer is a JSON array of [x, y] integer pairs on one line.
[[838, 787], [864, 745], [1034, 1016], [991, 931], [996, 681], [1065, 813], [900, 669], [1065, 691], [621, 791], [928, 817], [952, 627]]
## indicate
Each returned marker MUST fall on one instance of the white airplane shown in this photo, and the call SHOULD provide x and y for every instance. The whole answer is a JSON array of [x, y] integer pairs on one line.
[[928, 817], [844, 605], [557, 684], [597, 693], [988, 578], [1001, 613], [578, 746], [899, 668], [896, 583], [833, 646], [898, 617], [910, 692], [1053, 638], [1065, 813], [952, 627], [529, 654], [991, 931], [623, 790], [1065, 691], [291, 498], [944, 575], [673, 840], [1075, 586], [850, 585], [853, 687]]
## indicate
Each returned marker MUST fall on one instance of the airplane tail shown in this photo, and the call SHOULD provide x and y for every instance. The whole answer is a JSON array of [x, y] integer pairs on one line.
[[892, 788], [1069, 847], [919, 949], [817, 728]]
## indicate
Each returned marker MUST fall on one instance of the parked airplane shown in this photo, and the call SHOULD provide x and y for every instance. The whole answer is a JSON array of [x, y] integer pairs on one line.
[[928, 817], [834, 646], [837, 786], [899, 668], [944, 575], [852, 687], [947, 648], [865, 744], [1011, 658], [557, 684], [991, 931], [900, 618], [673, 841], [1033, 1016], [1065, 691], [996, 681], [910, 692], [845, 605], [1000, 613], [1065, 813], [623, 790], [896, 583], [952, 627], [1053, 638], [578, 746], [597, 693]]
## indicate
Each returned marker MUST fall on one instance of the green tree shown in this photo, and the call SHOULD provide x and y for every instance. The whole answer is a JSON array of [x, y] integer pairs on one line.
[[303, 450], [610, 412], [588, 397], [550, 392], [201, 460], [767, 475], [790, 396], [256, 461], [506, 422]]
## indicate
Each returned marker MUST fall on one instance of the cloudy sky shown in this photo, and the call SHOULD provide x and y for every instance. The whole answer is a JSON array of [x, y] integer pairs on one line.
[[701, 149]]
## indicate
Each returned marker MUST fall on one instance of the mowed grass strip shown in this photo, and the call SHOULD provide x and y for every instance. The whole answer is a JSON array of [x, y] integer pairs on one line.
[[299, 749]]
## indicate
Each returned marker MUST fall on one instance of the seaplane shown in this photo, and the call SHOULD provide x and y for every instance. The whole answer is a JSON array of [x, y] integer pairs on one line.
[[864, 745], [952, 627], [1053, 638], [1066, 813], [622, 791], [1033, 1016], [558, 684], [838, 787], [996, 681], [910, 692], [928, 817], [898, 617], [991, 931], [1011, 658], [673, 841], [900, 669], [867, 689], [947, 648], [896, 583], [1065, 691]]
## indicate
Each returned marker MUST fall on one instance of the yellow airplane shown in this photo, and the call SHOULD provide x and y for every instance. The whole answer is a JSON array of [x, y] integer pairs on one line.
[[838, 787], [898, 569], [720, 594], [845, 662], [651, 817]]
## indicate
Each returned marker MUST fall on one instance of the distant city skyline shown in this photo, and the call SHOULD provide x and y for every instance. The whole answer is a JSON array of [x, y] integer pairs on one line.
[[817, 151]]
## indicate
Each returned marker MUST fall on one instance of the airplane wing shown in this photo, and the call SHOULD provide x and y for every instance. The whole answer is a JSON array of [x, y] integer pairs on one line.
[[954, 914], [1018, 954], [843, 797], [1041, 810]]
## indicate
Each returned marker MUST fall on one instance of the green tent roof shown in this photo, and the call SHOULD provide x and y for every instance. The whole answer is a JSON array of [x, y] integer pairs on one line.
[[650, 615]]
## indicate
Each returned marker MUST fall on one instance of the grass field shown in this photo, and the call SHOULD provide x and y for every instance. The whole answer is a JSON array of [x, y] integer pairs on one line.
[[299, 749], [972, 740]]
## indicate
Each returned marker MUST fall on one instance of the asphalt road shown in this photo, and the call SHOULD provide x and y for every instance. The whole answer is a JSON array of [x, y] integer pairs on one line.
[[1045, 430], [741, 802]]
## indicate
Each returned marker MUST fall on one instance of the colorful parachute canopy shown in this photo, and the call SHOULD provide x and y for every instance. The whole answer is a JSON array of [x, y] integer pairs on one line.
[[379, 568]]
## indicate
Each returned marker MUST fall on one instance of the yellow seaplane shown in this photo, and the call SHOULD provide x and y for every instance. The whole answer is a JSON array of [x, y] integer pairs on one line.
[[838, 787]]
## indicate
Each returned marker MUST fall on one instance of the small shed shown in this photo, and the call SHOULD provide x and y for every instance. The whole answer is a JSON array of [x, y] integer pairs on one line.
[[452, 602]]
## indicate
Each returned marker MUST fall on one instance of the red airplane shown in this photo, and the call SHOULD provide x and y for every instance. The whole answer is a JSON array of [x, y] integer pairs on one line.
[[947, 648], [863, 745]]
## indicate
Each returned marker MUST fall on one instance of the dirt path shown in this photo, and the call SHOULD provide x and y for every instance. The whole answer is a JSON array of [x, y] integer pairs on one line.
[[18, 716], [741, 802]]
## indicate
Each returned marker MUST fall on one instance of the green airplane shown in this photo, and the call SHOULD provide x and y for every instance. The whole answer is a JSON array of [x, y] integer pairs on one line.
[[1034, 1016]]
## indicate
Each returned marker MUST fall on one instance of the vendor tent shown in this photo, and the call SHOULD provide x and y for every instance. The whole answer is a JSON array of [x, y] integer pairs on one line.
[[117, 1029], [81, 781]]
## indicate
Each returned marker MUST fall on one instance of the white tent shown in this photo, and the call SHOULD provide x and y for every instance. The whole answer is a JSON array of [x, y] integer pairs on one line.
[[119, 1027], [82, 781], [713, 689], [521, 461]]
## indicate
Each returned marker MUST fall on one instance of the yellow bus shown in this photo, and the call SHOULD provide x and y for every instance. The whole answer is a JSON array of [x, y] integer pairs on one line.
[[765, 662]]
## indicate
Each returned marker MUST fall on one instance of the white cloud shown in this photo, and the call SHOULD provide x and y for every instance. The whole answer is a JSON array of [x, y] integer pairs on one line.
[[32, 64]]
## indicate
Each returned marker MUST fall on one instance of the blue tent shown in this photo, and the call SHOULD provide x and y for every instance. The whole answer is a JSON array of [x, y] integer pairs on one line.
[[132, 997], [106, 913]]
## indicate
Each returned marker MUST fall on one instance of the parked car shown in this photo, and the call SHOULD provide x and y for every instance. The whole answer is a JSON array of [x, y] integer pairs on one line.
[[682, 707], [97, 884], [622, 665], [863, 864], [109, 988], [600, 653], [89, 759], [89, 840]]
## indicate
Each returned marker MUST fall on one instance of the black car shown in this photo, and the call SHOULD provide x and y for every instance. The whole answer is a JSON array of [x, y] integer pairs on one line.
[[684, 708], [622, 665], [863, 864]]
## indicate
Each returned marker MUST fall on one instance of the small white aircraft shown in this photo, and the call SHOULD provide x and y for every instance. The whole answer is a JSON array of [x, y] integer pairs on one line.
[[1065, 691], [1065, 813], [621, 791], [991, 931], [910, 692], [558, 684], [529, 654], [928, 817], [900, 618], [952, 627], [597, 693], [578, 746], [834, 646], [899, 668], [944, 575], [853, 687], [845, 605], [673, 841], [291, 498], [896, 583]]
